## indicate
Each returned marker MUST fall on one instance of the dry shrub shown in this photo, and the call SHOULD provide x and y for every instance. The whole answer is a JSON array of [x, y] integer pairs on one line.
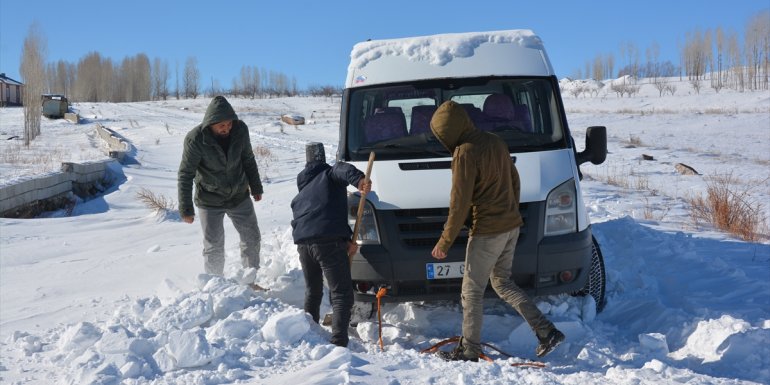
[[721, 111], [160, 203], [643, 184], [617, 177], [262, 152], [728, 209], [264, 159], [654, 212]]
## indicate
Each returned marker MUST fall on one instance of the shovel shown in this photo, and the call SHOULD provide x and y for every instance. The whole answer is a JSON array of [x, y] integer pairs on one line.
[[361, 202]]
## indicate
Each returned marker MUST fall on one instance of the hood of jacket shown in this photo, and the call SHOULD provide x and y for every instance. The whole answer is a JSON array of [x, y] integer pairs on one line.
[[451, 125], [218, 110], [311, 170]]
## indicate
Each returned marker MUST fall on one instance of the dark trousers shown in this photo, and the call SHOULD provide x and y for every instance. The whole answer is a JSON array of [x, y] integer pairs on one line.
[[330, 260]]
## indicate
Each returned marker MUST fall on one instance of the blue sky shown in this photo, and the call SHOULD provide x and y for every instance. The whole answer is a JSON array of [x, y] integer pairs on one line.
[[312, 40]]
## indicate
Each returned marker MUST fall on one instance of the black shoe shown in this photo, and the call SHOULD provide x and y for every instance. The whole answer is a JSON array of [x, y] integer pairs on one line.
[[340, 341], [549, 342], [456, 354]]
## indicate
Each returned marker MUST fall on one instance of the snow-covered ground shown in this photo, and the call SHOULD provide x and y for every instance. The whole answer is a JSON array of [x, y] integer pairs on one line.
[[113, 294]]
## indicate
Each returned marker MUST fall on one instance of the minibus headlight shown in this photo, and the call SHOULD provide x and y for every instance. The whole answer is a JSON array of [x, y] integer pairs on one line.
[[561, 210], [368, 234]]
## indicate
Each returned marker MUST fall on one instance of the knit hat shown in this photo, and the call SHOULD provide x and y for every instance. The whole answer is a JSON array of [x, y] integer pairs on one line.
[[315, 151]]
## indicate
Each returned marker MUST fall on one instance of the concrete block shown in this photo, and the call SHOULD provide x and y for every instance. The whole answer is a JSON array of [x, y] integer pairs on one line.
[[72, 117]]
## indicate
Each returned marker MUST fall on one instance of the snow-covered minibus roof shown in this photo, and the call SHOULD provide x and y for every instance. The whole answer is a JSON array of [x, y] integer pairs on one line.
[[459, 55]]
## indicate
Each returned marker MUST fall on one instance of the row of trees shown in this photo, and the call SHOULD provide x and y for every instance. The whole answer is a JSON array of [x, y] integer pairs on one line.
[[715, 55], [98, 79], [95, 78]]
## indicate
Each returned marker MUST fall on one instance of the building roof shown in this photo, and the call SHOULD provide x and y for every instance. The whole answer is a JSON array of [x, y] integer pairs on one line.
[[7, 80]]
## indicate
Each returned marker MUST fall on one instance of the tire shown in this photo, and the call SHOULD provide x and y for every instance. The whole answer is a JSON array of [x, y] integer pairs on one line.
[[596, 283]]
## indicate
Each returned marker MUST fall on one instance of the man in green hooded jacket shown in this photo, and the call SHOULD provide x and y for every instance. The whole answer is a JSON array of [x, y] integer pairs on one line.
[[218, 159], [485, 183]]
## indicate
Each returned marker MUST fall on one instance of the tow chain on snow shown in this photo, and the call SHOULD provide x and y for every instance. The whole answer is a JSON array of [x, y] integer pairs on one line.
[[456, 339], [383, 291], [380, 293]]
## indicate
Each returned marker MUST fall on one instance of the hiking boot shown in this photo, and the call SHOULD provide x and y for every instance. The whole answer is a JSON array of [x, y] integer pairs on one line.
[[549, 343], [456, 354]]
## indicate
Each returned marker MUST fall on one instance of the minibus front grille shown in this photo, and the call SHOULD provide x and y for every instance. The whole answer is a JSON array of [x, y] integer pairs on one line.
[[422, 227]]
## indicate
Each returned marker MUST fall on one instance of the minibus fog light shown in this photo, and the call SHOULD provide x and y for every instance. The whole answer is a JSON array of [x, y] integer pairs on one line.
[[566, 276], [363, 287]]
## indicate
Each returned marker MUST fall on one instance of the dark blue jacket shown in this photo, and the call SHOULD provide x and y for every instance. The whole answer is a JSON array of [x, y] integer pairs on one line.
[[320, 208]]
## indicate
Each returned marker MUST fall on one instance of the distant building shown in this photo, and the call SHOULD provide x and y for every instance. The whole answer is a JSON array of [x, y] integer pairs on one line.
[[10, 91]]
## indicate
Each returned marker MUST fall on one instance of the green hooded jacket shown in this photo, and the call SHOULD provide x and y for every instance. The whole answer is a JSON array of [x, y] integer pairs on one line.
[[221, 180], [485, 181]]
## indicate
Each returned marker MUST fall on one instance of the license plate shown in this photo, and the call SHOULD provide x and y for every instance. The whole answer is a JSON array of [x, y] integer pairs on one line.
[[445, 270]]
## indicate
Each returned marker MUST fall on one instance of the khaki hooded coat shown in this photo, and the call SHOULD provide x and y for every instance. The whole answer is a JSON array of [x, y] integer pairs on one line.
[[485, 182]]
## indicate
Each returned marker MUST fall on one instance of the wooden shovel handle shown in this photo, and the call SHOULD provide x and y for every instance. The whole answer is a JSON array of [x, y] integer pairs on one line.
[[362, 201]]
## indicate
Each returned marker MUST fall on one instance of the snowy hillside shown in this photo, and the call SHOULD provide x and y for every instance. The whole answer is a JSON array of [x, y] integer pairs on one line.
[[113, 294]]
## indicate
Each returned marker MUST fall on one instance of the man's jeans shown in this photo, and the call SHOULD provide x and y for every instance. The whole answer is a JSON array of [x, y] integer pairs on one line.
[[245, 221], [328, 259], [490, 257]]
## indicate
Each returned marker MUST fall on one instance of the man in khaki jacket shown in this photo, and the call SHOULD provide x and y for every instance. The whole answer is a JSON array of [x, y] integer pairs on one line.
[[485, 182]]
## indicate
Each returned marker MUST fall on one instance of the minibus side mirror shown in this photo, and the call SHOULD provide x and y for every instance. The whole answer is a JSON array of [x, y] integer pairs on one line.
[[596, 146]]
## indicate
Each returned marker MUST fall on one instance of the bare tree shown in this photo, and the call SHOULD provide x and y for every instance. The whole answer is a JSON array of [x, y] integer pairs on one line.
[[653, 55], [265, 80], [279, 83], [693, 60], [141, 81], [131, 80], [708, 51], [94, 79], [191, 79], [32, 71], [250, 81], [598, 68], [215, 88], [327, 91], [633, 58], [122, 90], [717, 82], [176, 76], [63, 70], [696, 85], [660, 85], [757, 45], [160, 75], [86, 87], [763, 26], [106, 81], [236, 88]]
